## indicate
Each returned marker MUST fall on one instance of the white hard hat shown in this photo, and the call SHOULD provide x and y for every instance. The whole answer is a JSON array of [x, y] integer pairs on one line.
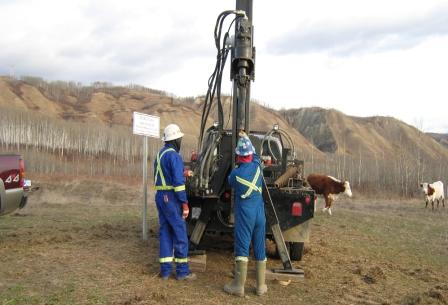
[[172, 132]]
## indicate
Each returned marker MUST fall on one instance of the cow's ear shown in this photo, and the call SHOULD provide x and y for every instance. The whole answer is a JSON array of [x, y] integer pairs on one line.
[[421, 184]]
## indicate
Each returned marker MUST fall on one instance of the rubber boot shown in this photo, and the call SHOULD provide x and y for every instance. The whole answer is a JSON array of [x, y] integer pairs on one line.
[[189, 277], [261, 277], [236, 287]]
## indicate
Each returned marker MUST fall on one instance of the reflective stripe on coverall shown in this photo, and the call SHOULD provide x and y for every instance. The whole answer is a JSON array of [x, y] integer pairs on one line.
[[250, 220], [170, 187]]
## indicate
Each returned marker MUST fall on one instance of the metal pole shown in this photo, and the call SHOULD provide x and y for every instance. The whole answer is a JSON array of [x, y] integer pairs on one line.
[[145, 188], [245, 5]]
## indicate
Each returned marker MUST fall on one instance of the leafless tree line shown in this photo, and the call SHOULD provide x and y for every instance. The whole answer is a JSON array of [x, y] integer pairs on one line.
[[56, 146], [382, 175], [31, 130], [60, 91], [75, 165], [73, 148]]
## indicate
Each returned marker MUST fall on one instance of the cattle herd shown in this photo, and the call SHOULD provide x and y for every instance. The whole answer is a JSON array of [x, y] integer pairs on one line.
[[329, 187]]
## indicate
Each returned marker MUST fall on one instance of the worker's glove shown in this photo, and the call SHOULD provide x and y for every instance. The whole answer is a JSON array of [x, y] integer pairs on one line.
[[185, 210], [188, 173], [242, 134]]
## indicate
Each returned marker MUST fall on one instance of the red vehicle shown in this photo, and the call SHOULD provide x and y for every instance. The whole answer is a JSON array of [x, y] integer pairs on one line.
[[13, 186]]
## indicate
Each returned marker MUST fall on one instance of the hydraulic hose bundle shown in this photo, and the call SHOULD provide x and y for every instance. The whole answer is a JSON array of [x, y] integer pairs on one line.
[[208, 146], [207, 159], [215, 80], [268, 137]]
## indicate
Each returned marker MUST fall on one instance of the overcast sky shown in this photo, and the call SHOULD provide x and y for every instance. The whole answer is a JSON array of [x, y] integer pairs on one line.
[[361, 57]]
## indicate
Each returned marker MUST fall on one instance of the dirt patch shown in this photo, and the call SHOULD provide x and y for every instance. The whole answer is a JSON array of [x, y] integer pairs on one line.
[[130, 301], [374, 275], [64, 250], [422, 274], [85, 192], [437, 295]]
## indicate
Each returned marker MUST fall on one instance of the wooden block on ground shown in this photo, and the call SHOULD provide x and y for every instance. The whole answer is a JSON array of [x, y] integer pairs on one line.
[[198, 263], [270, 275]]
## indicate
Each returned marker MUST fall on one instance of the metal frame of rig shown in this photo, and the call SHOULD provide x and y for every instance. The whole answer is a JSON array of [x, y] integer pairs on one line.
[[289, 203]]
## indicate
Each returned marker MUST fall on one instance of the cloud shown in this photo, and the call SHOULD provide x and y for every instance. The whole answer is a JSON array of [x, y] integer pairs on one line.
[[169, 45], [102, 40], [355, 36]]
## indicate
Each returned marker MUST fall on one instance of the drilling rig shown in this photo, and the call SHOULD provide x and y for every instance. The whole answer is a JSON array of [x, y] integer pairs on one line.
[[289, 203]]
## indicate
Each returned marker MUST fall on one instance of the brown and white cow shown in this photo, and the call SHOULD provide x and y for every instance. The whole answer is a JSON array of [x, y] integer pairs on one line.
[[433, 191], [329, 187]]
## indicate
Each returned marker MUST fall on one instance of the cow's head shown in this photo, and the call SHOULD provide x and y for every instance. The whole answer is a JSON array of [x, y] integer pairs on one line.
[[424, 187], [347, 189]]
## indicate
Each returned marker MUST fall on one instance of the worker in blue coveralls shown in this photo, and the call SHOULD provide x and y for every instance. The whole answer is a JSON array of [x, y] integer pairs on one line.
[[172, 206], [250, 220]]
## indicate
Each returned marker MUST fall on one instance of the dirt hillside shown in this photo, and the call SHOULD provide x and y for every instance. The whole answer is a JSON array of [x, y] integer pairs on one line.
[[263, 119], [334, 132], [330, 131], [114, 106], [442, 138], [109, 107]]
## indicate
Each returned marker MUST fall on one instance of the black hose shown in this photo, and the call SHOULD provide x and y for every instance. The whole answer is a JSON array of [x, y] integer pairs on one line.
[[219, 82], [212, 82], [215, 80]]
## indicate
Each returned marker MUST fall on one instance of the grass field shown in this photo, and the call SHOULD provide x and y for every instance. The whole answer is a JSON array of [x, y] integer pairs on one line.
[[79, 242]]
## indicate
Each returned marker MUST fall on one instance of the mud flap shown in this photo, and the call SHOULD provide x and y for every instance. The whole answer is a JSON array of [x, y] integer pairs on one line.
[[23, 202], [299, 233]]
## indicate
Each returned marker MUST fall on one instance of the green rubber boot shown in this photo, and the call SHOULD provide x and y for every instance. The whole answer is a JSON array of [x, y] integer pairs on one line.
[[236, 287], [261, 277]]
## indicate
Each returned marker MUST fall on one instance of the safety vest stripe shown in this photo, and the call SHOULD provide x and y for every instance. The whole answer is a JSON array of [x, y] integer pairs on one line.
[[254, 181], [241, 259], [251, 185], [166, 259], [179, 188], [181, 260], [243, 181], [170, 188], [163, 188], [246, 183], [159, 168]]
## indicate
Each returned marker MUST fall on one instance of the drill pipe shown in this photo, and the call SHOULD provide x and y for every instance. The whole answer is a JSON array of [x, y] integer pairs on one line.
[[291, 171]]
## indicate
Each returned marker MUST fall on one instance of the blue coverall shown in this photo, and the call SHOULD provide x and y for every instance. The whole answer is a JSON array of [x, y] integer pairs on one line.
[[250, 220], [170, 187]]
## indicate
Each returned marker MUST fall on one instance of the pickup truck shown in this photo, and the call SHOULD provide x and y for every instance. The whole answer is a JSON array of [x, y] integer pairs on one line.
[[13, 186]]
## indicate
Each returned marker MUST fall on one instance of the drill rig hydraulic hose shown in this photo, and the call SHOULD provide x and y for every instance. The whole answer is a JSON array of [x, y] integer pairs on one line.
[[210, 145], [268, 136], [242, 72], [210, 159], [215, 80]]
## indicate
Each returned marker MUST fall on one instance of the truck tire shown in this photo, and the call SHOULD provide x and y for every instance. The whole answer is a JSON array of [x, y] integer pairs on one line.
[[296, 250]]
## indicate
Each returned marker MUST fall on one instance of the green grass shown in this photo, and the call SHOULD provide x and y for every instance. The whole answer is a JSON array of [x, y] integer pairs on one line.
[[16, 296]]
